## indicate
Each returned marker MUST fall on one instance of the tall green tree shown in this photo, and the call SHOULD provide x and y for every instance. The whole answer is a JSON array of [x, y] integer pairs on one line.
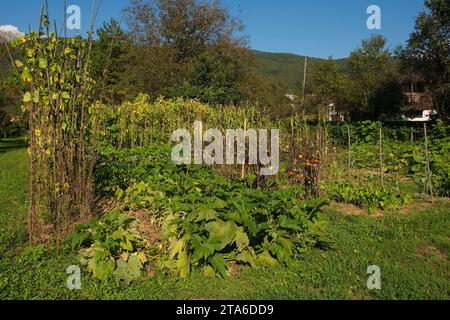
[[373, 76], [109, 61], [190, 48], [10, 96], [428, 52], [329, 85]]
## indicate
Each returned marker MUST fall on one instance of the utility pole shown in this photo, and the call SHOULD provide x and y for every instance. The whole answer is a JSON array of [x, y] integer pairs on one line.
[[304, 80]]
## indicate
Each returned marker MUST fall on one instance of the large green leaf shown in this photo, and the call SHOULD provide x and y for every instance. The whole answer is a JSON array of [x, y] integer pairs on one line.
[[267, 260], [219, 264], [204, 214], [241, 239], [176, 247], [251, 225], [246, 256], [101, 269], [224, 232], [203, 249], [280, 252], [128, 271], [287, 223]]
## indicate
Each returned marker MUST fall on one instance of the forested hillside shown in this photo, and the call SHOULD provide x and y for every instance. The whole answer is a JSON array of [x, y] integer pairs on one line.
[[287, 68]]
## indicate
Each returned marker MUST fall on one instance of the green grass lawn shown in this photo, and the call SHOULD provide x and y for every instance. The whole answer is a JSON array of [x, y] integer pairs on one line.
[[411, 248]]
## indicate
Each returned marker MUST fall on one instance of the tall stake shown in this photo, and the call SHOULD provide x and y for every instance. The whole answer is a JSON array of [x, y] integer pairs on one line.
[[349, 151], [381, 157], [430, 185], [243, 164], [304, 81]]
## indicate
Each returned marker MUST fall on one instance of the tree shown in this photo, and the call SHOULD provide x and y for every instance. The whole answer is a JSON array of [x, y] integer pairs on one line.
[[190, 48], [219, 78], [211, 80], [372, 73], [428, 52], [109, 61], [10, 96], [187, 26], [329, 84]]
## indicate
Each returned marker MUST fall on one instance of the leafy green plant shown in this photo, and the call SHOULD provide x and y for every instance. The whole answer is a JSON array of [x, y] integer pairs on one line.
[[369, 196], [212, 240], [111, 246]]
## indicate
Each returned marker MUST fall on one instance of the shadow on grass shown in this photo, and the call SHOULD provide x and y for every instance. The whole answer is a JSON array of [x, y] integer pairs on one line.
[[12, 144]]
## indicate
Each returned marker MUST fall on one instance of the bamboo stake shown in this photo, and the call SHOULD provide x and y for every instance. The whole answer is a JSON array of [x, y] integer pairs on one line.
[[293, 149], [349, 151], [243, 164], [430, 185], [381, 157]]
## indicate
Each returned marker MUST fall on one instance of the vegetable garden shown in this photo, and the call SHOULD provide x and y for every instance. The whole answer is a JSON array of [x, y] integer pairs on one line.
[[212, 219], [102, 183]]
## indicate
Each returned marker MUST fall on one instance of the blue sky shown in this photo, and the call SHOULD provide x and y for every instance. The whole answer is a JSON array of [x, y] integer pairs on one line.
[[318, 28]]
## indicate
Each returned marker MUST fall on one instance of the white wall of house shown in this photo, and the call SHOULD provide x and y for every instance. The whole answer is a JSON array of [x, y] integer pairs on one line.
[[426, 116]]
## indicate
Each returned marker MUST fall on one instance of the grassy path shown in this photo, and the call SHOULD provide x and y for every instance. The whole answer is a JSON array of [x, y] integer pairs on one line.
[[411, 249], [13, 184]]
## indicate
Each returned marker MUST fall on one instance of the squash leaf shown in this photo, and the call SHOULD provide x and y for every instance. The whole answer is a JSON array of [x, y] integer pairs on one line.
[[267, 260], [219, 264], [128, 271], [224, 232]]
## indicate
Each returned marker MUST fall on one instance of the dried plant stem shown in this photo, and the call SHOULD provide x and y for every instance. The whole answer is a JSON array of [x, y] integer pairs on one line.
[[349, 155], [380, 156], [427, 158]]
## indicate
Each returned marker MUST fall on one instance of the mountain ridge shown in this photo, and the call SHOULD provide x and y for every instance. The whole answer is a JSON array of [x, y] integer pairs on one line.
[[287, 68]]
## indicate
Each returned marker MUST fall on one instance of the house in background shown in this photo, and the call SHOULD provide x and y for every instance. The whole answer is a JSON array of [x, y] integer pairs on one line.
[[420, 106], [334, 115]]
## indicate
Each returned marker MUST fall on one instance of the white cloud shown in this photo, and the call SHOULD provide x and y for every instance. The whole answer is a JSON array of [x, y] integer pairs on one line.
[[9, 33]]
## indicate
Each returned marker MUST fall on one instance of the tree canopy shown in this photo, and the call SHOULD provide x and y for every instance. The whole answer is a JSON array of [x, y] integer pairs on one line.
[[375, 91], [190, 48], [428, 52]]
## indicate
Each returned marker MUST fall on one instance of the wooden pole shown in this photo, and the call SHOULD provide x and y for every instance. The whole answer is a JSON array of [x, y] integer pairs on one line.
[[427, 158], [293, 149], [243, 164], [381, 157], [349, 151], [304, 81]]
